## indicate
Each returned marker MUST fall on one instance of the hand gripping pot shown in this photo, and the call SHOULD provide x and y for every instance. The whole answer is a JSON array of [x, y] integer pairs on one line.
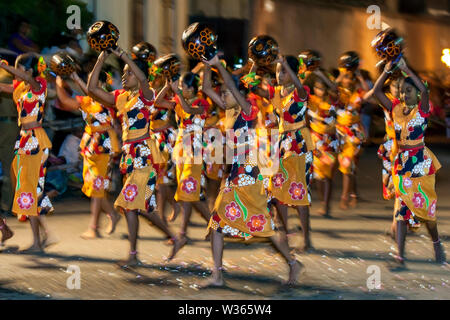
[[388, 46], [103, 35], [199, 41], [263, 50], [311, 59], [170, 65], [62, 64], [349, 60], [144, 51]]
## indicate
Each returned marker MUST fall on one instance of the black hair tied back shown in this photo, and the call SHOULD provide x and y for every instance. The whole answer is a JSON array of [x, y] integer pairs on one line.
[[192, 80]]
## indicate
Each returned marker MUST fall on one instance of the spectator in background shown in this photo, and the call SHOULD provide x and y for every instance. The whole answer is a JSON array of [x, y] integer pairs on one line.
[[367, 108], [19, 41]]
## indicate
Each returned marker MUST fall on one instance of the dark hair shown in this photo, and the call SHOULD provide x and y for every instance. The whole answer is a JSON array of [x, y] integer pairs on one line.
[[191, 80], [410, 81], [29, 62], [293, 63], [311, 80], [143, 65]]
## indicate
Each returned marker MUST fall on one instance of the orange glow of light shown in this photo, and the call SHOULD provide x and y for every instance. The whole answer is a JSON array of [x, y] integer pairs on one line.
[[446, 57]]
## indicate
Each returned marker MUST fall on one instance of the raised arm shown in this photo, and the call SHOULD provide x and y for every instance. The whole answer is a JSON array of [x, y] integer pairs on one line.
[[424, 96], [333, 89], [35, 85], [208, 89], [142, 79], [186, 107], [160, 100], [361, 80], [298, 85], [245, 105], [378, 87], [94, 90], [6, 87], [67, 102]]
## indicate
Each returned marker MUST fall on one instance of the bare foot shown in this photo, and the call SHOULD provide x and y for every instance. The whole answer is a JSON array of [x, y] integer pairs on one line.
[[215, 281], [7, 233], [49, 239], [343, 204], [177, 245], [34, 249], [307, 248], [439, 253], [132, 261], [174, 215], [90, 234], [323, 210], [353, 201], [295, 271], [113, 220]]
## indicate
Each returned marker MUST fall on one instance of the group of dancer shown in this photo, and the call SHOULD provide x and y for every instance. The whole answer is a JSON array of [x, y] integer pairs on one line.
[[174, 130]]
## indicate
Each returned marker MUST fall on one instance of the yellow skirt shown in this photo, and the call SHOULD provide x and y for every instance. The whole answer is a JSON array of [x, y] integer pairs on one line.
[[138, 192], [290, 185], [190, 182], [242, 212], [28, 176], [95, 175]]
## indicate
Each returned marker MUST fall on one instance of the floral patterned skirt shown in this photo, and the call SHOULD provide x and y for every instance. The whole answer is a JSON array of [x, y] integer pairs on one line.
[[415, 194], [325, 152], [384, 153], [242, 212], [190, 182], [350, 140], [28, 176], [96, 175], [138, 192], [290, 185], [165, 142]]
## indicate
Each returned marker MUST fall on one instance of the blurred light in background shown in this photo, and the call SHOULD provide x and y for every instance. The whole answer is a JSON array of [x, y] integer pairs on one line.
[[269, 6], [446, 57]]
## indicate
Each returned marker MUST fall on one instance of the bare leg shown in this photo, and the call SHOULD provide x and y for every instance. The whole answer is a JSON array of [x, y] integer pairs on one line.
[[303, 212], [295, 267], [216, 279], [49, 237], [133, 228], [437, 246], [178, 242], [36, 246], [202, 207], [92, 231], [325, 192], [175, 205], [187, 212], [282, 211], [345, 191], [161, 199], [401, 237], [6, 231], [112, 214], [213, 188], [352, 192]]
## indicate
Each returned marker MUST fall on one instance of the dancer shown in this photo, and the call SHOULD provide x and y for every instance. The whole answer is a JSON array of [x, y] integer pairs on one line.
[[162, 128], [134, 104], [32, 147], [290, 184], [352, 88], [241, 208], [415, 165], [322, 114], [98, 146], [191, 112]]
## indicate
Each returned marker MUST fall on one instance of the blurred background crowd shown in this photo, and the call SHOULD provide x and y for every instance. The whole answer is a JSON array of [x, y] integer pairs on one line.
[[330, 27]]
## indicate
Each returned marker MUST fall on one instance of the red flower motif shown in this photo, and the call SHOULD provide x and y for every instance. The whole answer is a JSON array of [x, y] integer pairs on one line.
[[232, 211], [278, 180], [189, 185], [98, 183], [418, 200], [25, 200], [130, 192], [256, 223], [297, 191], [432, 209]]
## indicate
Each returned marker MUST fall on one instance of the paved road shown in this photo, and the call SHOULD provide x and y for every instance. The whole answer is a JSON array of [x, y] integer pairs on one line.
[[345, 247]]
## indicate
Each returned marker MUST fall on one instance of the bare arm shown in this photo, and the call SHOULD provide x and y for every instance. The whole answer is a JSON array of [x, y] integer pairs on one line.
[[208, 89], [298, 85], [361, 80], [94, 90], [5, 87], [425, 98], [378, 88], [333, 89], [246, 107], [142, 79], [35, 85], [67, 102], [83, 86], [161, 102], [186, 107], [19, 45]]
